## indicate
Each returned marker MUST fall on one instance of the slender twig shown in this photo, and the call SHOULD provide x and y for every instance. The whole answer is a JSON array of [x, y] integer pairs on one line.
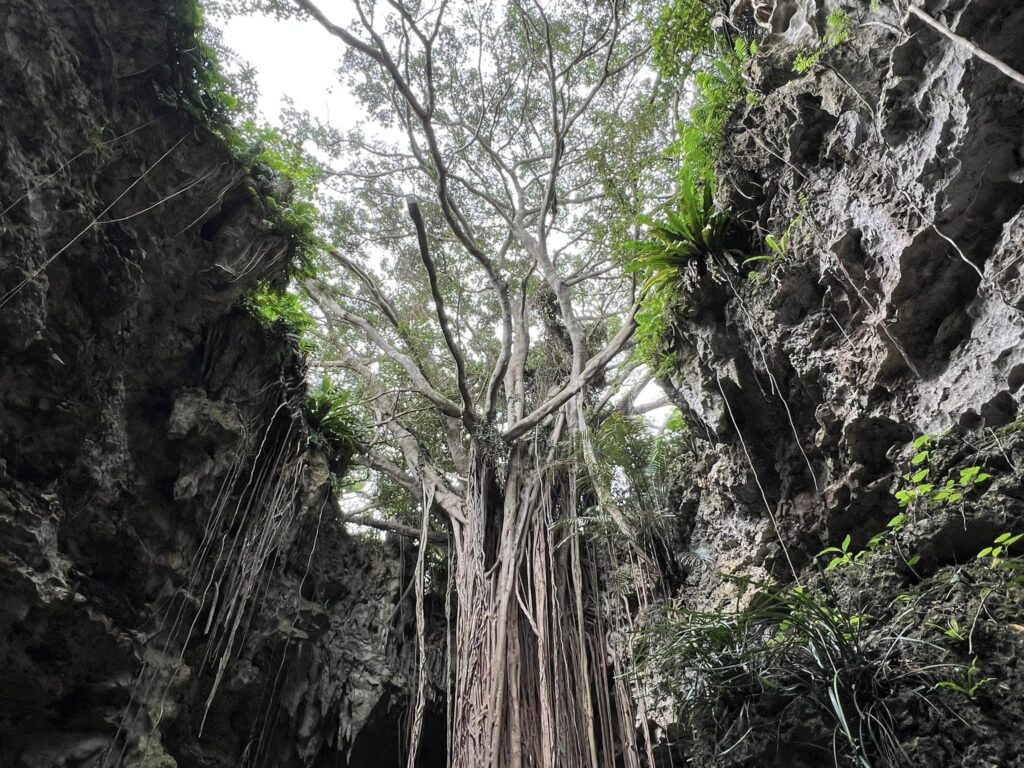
[[963, 42]]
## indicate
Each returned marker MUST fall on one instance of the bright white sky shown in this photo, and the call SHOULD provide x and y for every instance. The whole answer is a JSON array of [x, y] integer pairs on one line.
[[297, 58]]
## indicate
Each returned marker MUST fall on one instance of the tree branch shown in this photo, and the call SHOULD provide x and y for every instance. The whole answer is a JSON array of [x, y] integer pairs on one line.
[[417, 376], [593, 367], [988, 58], [468, 415]]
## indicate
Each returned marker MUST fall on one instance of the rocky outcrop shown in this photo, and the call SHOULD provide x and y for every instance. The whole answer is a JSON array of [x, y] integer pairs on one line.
[[896, 165], [174, 589]]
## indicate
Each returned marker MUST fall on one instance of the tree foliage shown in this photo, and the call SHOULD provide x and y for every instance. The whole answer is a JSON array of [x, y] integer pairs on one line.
[[682, 35], [474, 307]]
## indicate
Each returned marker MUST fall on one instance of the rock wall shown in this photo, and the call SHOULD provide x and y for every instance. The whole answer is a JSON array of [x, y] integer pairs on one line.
[[896, 164], [164, 531]]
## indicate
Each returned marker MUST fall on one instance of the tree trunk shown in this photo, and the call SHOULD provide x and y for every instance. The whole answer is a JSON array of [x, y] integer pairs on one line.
[[525, 684]]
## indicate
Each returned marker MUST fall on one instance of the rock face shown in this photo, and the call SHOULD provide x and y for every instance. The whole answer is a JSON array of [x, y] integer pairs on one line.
[[896, 165], [174, 589]]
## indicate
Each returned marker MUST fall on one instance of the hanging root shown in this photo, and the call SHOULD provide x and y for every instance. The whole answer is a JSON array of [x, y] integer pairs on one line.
[[246, 533], [532, 662]]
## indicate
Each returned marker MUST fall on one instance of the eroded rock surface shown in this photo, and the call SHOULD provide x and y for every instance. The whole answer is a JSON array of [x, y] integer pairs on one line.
[[896, 164], [160, 509]]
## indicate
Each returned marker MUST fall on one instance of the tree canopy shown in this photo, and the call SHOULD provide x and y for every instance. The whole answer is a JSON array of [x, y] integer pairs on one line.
[[473, 306]]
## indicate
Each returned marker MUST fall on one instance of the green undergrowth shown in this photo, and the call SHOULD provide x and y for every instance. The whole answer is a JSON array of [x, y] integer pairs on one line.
[[687, 239], [837, 31], [640, 466], [882, 646], [789, 648], [688, 233], [281, 310], [285, 181], [720, 86]]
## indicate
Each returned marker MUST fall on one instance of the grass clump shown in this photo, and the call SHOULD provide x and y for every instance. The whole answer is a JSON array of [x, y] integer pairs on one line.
[[790, 654]]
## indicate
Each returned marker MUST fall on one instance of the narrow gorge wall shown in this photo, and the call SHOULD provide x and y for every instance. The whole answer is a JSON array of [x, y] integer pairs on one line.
[[896, 164], [160, 509]]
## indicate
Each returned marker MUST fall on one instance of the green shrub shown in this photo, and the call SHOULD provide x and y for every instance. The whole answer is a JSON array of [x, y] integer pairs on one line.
[[694, 232], [720, 87], [333, 422], [222, 101], [690, 238], [280, 309], [288, 177], [652, 328], [837, 32], [296, 216], [789, 648], [193, 79], [921, 490]]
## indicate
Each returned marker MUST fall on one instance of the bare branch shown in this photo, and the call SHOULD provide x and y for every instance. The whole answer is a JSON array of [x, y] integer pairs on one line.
[[593, 367], [468, 416], [419, 380], [381, 524]]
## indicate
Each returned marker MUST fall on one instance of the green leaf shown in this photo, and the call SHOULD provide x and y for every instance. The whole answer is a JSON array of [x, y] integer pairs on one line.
[[920, 475], [984, 553], [898, 521], [919, 458], [968, 474], [922, 441]]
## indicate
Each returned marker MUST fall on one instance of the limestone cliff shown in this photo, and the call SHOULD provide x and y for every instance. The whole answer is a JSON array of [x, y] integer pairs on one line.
[[896, 166], [175, 588]]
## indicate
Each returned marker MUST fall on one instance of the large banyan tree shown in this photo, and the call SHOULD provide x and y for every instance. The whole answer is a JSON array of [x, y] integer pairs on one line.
[[476, 305]]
